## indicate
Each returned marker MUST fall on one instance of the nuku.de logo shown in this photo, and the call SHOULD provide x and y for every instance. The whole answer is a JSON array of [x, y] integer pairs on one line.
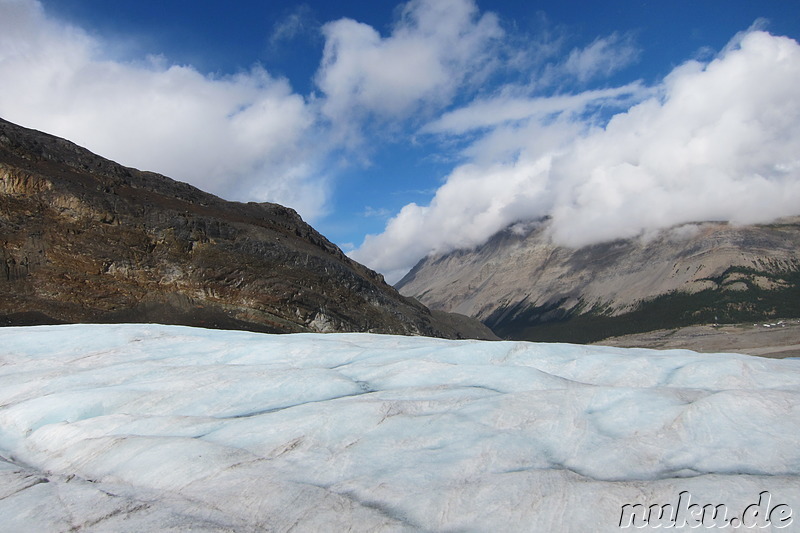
[[693, 515]]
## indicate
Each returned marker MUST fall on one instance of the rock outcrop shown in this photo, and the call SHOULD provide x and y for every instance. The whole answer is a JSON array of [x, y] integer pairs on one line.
[[525, 287], [84, 239]]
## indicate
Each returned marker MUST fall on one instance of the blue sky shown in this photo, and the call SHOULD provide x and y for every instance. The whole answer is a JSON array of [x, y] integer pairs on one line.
[[403, 129]]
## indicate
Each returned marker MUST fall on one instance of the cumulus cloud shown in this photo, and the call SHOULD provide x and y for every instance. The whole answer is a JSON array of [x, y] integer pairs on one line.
[[245, 136], [435, 47], [715, 140]]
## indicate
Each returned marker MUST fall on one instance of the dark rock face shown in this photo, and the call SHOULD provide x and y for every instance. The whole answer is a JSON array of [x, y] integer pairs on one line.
[[84, 239]]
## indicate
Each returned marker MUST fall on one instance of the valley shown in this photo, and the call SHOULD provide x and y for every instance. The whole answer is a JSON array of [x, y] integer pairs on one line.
[[775, 340]]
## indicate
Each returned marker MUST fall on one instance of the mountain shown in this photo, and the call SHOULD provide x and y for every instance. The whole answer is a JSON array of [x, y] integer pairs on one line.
[[524, 286], [84, 239]]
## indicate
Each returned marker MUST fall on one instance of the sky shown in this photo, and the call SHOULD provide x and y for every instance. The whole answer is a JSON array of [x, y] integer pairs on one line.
[[399, 130]]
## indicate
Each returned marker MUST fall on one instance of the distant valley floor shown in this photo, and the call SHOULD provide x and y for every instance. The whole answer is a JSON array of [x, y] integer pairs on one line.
[[777, 339]]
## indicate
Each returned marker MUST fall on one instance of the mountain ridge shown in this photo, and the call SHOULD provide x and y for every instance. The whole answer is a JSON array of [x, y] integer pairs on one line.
[[85, 239], [524, 286]]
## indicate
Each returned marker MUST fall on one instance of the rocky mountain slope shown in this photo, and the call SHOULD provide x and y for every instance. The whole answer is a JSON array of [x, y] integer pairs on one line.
[[525, 287], [83, 239]]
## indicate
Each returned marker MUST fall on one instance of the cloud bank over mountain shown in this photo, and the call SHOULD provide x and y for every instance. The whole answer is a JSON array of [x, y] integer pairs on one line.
[[714, 140]]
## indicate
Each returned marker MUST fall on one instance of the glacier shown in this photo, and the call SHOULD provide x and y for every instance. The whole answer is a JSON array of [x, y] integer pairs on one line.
[[170, 428]]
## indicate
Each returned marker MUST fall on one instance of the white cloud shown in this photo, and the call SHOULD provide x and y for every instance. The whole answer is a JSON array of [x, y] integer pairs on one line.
[[297, 22], [492, 112], [718, 141], [372, 212], [434, 48], [721, 144], [244, 136], [602, 58]]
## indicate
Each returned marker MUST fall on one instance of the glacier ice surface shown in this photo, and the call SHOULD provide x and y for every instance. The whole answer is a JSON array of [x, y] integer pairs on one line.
[[148, 427]]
